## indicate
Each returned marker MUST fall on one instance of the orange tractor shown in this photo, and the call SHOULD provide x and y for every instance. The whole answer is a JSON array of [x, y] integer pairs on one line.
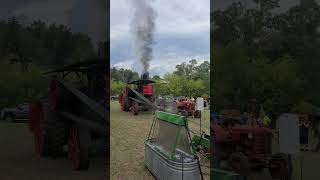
[[187, 107]]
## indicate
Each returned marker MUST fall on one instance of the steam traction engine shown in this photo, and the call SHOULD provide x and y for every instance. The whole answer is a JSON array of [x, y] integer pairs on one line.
[[245, 148], [134, 96], [74, 116]]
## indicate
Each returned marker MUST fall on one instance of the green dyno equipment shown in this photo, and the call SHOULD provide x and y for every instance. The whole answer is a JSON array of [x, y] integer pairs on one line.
[[172, 133], [169, 154]]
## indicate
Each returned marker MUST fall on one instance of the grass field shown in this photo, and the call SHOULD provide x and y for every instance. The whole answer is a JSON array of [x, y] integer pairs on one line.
[[127, 137], [19, 162]]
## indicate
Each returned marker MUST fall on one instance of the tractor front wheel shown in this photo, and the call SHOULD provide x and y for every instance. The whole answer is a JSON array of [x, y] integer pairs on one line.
[[78, 147], [239, 163], [279, 166], [184, 113]]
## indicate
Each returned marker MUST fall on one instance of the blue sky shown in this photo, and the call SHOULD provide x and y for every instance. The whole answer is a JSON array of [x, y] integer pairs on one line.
[[182, 33]]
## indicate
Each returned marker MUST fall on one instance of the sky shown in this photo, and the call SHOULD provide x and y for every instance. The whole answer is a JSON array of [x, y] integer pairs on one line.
[[87, 16], [182, 33]]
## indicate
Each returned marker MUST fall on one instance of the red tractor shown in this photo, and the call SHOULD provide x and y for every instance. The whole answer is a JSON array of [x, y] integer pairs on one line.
[[185, 106], [137, 98], [246, 147]]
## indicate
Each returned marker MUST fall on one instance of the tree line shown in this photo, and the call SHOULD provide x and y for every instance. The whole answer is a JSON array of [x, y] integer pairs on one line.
[[29, 49], [264, 56], [189, 79]]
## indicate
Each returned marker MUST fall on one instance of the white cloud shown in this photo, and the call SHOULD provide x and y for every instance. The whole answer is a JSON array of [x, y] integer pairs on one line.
[[127, 64]]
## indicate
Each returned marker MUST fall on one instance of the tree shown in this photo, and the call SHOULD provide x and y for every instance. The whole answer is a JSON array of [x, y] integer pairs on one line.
[[270, 57], [116, 87]]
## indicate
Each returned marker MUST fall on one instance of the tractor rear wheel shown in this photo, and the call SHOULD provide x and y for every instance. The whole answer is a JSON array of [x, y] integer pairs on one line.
[[279, 166], [126, 104], [197, 114], [239, 163], [134, 108], [78, 147]]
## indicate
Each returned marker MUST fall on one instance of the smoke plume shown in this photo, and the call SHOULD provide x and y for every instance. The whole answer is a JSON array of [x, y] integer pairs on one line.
[[143, 27]]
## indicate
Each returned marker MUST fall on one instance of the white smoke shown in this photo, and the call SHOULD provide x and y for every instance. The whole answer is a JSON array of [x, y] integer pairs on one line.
[[143, 27]]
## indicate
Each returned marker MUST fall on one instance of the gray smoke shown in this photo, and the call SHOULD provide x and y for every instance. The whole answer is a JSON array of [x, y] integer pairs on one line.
[[143, 27]]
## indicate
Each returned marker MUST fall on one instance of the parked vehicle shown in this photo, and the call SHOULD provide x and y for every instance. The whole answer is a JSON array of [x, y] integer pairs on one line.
[[115, 97], [19, 112]]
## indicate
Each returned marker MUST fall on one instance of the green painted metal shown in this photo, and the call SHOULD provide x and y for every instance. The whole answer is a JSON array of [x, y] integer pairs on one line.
[[198, 140], [175, 143], [171, 118], [218, 174]]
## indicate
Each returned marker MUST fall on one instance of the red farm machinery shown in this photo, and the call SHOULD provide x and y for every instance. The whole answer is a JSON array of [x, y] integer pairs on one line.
[[244, 147], [137, 95], [186, 106], [72, 120]]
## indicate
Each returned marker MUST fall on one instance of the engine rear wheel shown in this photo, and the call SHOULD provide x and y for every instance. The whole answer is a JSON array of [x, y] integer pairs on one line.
[[134, 108], [126, 104], [51, 135], [78, 148]]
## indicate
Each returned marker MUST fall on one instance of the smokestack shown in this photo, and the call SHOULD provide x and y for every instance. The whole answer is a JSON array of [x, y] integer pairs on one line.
[[143, 27], [145, 76]]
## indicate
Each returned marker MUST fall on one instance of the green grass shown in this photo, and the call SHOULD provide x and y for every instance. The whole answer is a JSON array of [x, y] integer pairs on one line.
[[18, 160]]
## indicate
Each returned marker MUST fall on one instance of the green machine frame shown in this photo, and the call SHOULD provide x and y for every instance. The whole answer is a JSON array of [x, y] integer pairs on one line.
[[181, 122]]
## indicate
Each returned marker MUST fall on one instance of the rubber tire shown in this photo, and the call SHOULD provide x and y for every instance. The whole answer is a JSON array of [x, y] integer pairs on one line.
[[197, 114], [55, 132], [84, 143], [126, 104], [285, 158], [135, 112], [184, 113]]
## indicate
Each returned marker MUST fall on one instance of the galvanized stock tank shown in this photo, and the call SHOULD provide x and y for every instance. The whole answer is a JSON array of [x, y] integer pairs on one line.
[[163, 168]]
